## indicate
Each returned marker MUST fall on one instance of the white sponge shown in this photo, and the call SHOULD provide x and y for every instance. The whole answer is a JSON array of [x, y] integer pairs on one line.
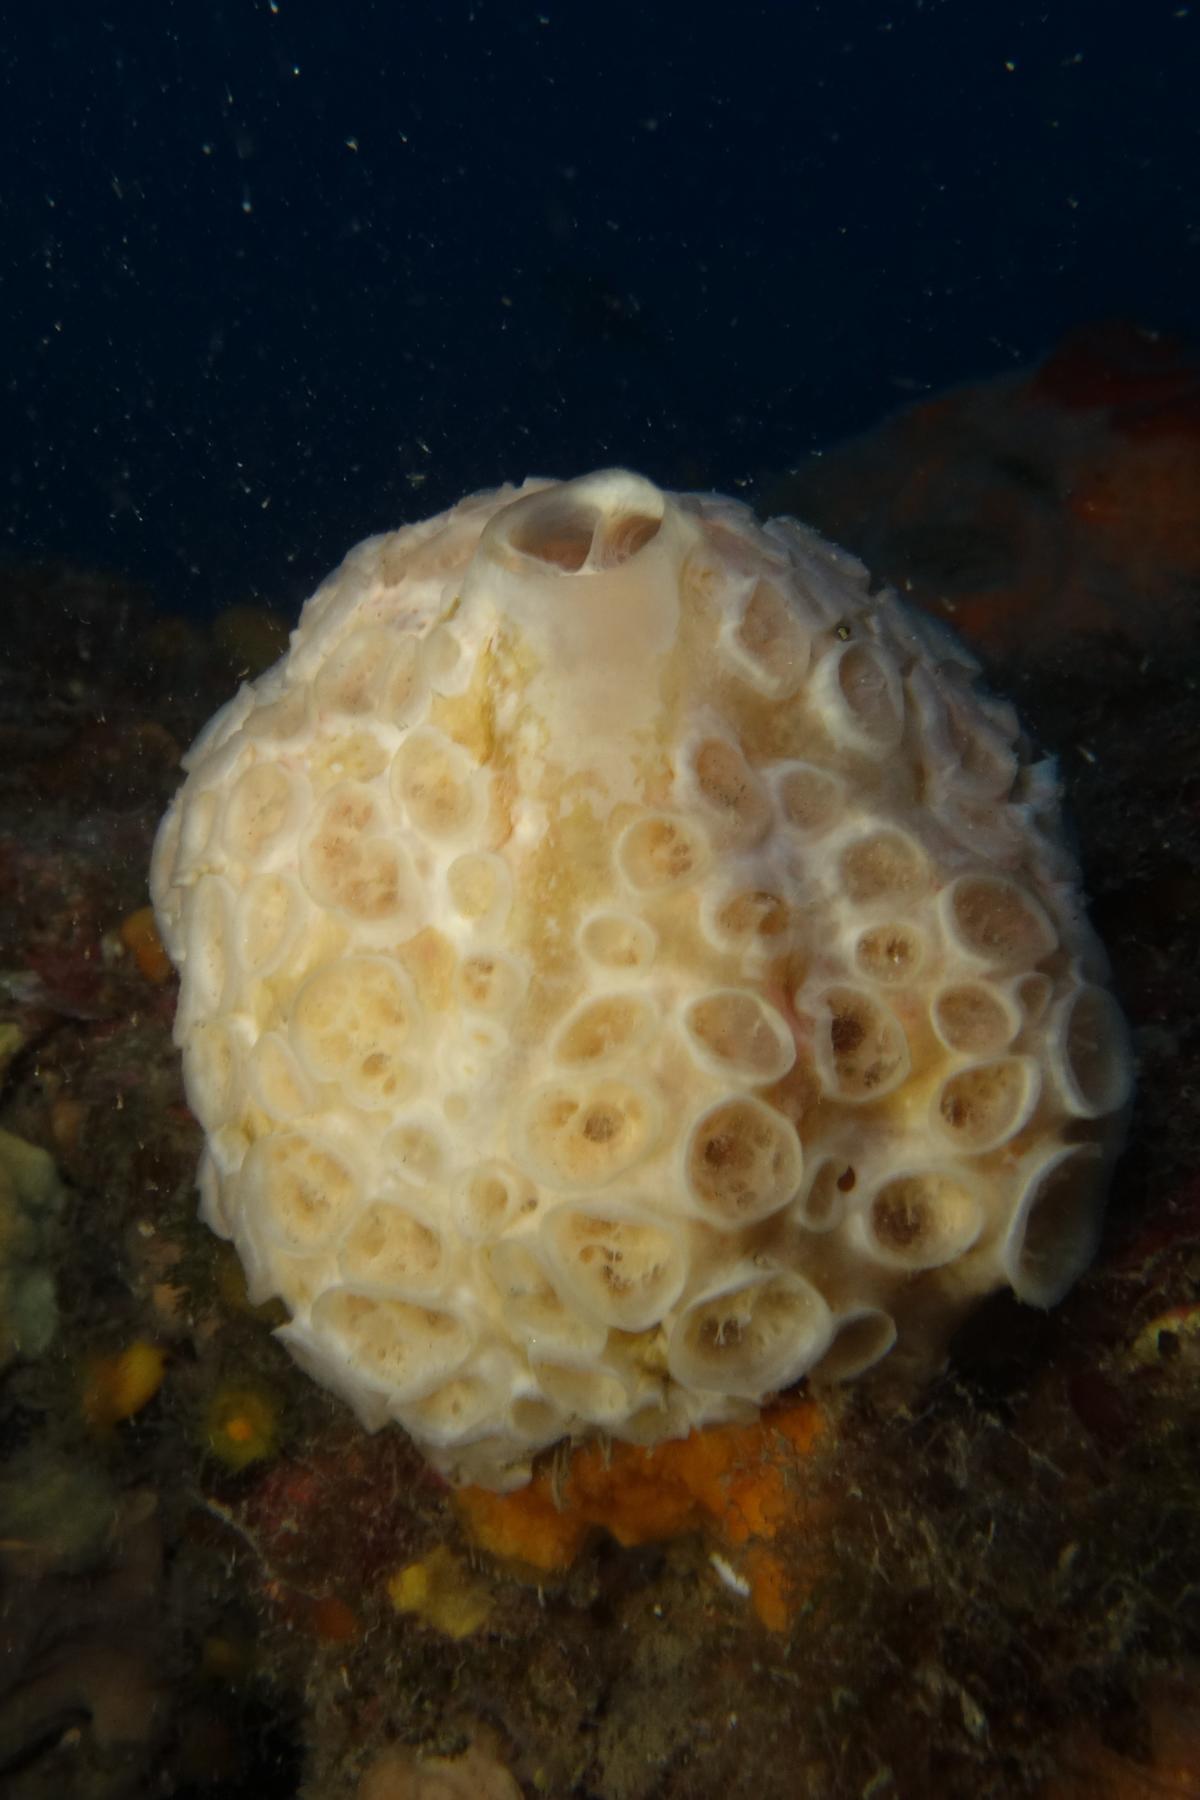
[[627, 966]]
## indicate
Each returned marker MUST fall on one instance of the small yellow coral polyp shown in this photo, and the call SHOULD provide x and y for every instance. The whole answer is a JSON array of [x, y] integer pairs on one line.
[[441, 1591], [118, 1386], [139, 934], [242, 1426], [730, 1482]]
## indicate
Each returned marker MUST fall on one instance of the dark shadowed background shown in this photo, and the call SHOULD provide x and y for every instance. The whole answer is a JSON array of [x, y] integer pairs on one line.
[[277, 274]]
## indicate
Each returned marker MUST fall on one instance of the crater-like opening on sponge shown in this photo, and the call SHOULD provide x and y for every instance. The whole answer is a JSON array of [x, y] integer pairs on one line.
[[580, 1132], [212, 1065], [753, 1339], [480, 887], [417, 1151], [208, 933], [404, 1347], [735, 1033], [808, 797], [600, 1030], [558, 533], [973, 1018], [1090, 1055], [300, 1189], [582, 526], [349, 864], [618, 940], [861, 1339], [353, 676], [533, 1308], [404, 686], [263, 801], [622, 537], [996, 921], [596, 1395], [270, 915], [884, 865], [490, 981], [729, 790], [626, 1270], [356, 1022], [196, 823], [864, 699], [743, 1162], [980, 1107], [389, 1247], [489, 1197], [769, 645], [1055, 1225], [923, 1219], [460, 1409], [861, 1050], [890, 954], [437, 783], [659, 852]]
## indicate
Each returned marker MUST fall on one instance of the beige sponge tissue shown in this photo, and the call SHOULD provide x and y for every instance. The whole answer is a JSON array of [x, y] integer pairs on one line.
[[628, 964]]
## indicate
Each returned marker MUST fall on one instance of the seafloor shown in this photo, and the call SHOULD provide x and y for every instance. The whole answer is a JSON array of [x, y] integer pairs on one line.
[[213, 1584]]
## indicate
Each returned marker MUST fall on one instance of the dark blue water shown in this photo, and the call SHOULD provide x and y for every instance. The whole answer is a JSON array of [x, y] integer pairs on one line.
[[274, 278]]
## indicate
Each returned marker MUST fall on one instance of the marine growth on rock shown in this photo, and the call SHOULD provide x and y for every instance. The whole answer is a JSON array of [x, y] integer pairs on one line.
[[628, 965]]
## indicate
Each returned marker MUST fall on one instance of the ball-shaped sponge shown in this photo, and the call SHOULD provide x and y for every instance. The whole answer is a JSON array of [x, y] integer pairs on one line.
[[626, 965]]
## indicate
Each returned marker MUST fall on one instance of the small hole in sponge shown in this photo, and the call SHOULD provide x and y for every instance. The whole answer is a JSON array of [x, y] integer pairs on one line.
[[822, 1204], [490, 981], [491, 1196]]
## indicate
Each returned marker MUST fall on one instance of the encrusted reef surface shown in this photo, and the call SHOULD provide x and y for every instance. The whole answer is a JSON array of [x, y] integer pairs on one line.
[[214, 1582]]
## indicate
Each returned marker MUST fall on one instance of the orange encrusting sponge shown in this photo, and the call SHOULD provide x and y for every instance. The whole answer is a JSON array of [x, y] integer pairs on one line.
[[734, 1483]]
